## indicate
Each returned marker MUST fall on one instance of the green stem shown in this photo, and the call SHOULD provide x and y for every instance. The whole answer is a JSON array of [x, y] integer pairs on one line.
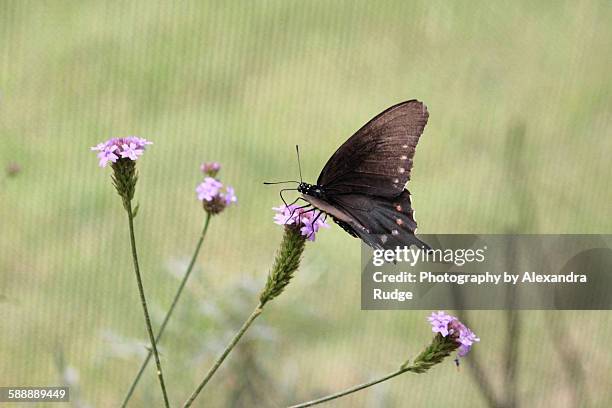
[[223, 355], [143, 300], [285, 264], [127, 397], [438, 350], [351, 390]]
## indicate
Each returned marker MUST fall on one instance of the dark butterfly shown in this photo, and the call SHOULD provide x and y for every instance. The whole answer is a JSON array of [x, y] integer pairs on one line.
[[362, 185]]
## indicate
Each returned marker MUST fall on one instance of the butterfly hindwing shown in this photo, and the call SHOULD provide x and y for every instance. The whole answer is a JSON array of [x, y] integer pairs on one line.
[[381, 222], [377, 159]]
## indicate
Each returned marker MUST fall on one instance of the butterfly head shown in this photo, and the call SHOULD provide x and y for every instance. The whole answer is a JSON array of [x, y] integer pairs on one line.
[[310, 189]]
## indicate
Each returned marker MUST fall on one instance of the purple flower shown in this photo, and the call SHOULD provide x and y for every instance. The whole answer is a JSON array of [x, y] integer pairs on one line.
[[214, 196], [312, 226], [448, 325], [284, 215], [439, 322], [114, 149], [99, 146], [229, 196], [308, 221], [210, 168], [131, 151], [141, 141], [466, 338], [108, 155], [209, 189]]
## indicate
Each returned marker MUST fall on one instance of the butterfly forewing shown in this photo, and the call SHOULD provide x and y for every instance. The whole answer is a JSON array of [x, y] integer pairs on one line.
[[377, 159]]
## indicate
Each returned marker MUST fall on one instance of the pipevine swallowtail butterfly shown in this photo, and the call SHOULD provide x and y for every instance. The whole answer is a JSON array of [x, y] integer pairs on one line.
[[362, 186]]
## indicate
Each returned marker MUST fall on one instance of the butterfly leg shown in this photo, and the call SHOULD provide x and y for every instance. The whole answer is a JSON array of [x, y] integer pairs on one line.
[[299, 208], [296, 200], [281, 195], [307, 211], [315, 220]]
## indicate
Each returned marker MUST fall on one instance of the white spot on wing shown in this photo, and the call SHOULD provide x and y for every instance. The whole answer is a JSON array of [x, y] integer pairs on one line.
[[394, 232]]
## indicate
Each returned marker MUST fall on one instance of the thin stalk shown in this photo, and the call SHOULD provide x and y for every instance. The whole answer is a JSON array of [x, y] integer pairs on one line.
[[143, 300], [285, 264], [179, 291], [440, 348], [351, 390], [223, 355]]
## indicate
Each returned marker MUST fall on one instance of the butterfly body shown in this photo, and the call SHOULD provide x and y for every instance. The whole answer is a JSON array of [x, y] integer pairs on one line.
[[316, 196], [362, 186]]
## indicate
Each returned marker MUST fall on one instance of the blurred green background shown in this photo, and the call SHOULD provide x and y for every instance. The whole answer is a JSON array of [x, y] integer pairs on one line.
[[519, 139]]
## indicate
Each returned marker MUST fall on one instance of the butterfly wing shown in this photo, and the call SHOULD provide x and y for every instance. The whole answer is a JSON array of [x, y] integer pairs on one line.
[[387, 223], [377, 159], [380, 222]]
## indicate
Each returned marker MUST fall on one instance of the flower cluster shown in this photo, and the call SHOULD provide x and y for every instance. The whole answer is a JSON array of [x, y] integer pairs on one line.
[[307, 221], [211, 189], [210, 168], [213, 194], [448, 325], [120, 148]]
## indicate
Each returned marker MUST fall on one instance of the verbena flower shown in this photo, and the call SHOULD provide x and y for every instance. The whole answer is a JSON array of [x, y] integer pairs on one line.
[[308, 222], [229, 196], [210, 168], [130, 147], [208, 189], [451, 335], [122, 152], [448, 325], [300, 225], [439, 322], [215, 196], [465, 337]]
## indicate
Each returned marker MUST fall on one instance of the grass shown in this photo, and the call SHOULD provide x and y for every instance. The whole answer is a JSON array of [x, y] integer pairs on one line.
[[242, 83]]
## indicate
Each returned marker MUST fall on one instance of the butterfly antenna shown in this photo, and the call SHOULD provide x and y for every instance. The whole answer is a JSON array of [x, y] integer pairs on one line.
[[297, 150], [280, 182]]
